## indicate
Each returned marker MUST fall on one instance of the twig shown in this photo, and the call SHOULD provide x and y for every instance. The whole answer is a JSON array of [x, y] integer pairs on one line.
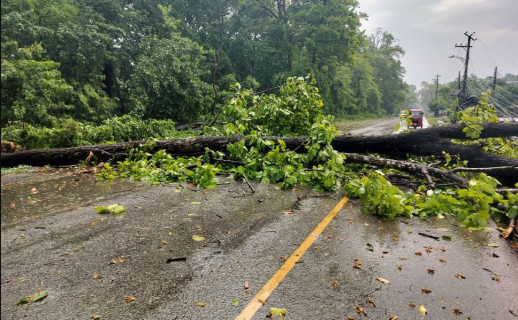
[[188, 188], [488, 169], [425, 172], [270, 89], [300, 145], [428, 235], [506, 190], [102, 151], [486, 269], [398, 175], [507, 232], [229, 161], [445, 185], [248, 183]]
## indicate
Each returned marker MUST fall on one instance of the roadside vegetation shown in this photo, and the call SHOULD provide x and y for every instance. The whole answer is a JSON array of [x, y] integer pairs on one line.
[[72, 133]]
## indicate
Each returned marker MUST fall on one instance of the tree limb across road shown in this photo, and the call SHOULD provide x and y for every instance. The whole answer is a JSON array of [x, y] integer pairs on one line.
[[426, 142]]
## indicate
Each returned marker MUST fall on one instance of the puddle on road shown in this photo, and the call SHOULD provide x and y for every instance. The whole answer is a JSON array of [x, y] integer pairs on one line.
[[28, 196]]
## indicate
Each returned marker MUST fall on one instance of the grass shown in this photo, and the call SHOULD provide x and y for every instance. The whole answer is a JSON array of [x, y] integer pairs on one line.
[[432, 121], [18, 169]]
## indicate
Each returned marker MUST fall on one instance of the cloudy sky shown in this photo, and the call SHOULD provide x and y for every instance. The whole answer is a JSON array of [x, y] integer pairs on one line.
[[429, 29]]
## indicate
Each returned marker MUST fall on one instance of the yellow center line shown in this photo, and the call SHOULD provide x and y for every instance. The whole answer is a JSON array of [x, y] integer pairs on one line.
[[263, 294]]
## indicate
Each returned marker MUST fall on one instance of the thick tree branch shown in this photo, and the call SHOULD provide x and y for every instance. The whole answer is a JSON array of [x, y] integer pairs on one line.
[[407, 166], [268, 9]]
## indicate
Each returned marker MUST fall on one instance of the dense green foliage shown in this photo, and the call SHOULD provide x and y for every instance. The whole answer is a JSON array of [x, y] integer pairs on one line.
[[262, 160], [70, 133], [320, 166], [177, 60], [378, 196]]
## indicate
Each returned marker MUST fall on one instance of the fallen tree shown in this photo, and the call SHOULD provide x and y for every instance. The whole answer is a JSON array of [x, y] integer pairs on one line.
[[300, 147], [426, 142]]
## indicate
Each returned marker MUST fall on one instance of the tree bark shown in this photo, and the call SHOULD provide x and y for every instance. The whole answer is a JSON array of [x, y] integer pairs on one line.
[[426, 142]]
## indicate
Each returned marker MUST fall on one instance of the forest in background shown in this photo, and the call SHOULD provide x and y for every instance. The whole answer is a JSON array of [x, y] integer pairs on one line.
[[66, 61]]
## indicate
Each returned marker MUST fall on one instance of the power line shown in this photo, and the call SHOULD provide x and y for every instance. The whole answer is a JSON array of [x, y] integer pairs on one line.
[[476, 87], [501, 55]]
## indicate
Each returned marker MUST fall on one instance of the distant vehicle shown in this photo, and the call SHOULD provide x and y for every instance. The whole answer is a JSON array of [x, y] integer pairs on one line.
[[416, 117]]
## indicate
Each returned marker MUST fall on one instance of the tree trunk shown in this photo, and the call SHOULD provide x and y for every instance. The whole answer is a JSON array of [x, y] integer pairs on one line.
[[425, 142]]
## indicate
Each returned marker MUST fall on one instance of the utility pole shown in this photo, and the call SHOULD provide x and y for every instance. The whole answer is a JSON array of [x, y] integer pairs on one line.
[[437, 86], [464, 93], [494, 80], [458, 80]]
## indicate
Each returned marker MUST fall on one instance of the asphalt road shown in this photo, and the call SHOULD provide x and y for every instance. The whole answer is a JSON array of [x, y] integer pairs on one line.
[[377, 128], [380, 127], [145, 264]]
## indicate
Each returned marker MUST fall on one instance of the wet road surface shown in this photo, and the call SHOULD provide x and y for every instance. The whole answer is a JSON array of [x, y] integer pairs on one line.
[[52, 239], [377, 128]]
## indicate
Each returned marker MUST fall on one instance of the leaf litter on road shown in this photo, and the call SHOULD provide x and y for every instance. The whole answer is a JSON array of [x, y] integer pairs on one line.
[[37, 296], [198, 238], [111, 209], [279, 312], [357, 263], [359, 310], [382, 280], [422, 310]]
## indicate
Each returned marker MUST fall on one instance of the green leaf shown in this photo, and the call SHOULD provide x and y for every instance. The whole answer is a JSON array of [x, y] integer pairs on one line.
[[111, 209], [369, 247], [495, 245], [39, 295], [195, 202], [235, 302], [446, 237], [277, 311], [198, 238]]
